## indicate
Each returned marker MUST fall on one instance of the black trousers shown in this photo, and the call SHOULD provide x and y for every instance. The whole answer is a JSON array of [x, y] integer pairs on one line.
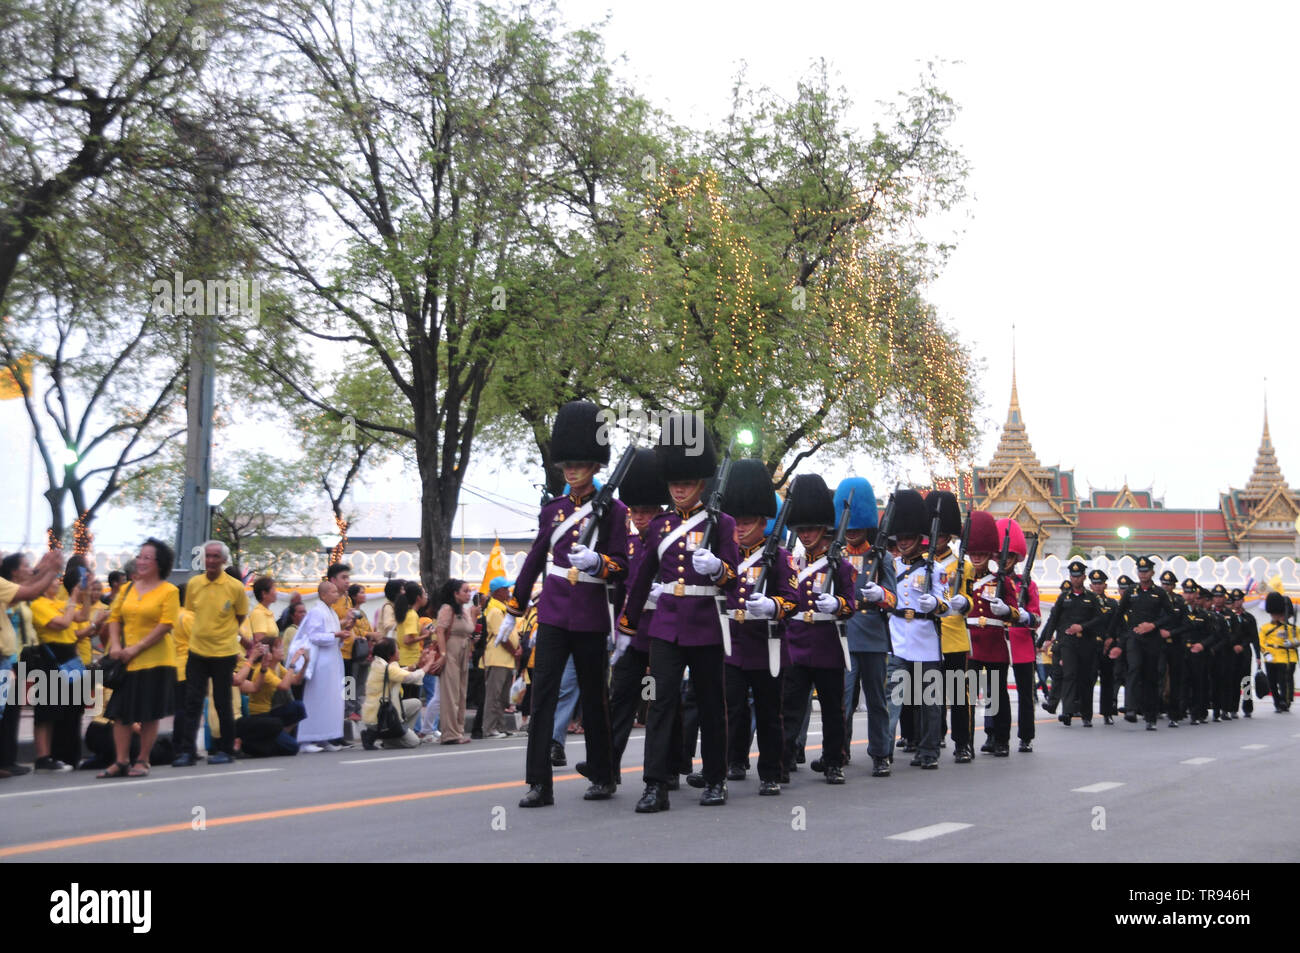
[[628, 683], [829, 682], [267, 735], [1143, 692], [767, 715], [1079, 662], [1025, 673], [1175, 654], [1197, 683], [9, 729], [687, 730], [1109, 688], [1281, 680], [554, 646], [198, 670], [1241, 671], [668, 661], [963, 715], [1056, 674], [1227, 690], [993, 675]]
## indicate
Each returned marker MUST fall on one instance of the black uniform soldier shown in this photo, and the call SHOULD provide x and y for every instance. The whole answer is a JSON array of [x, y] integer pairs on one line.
[[1119, 643], [1146, 611], [1227, 688], [1199, 636], [1249, 629], [1105, 663], [1052, 699], [1175, 651], [1076, 619]]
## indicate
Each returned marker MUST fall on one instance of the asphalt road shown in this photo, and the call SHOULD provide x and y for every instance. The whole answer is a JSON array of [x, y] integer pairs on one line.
[[1208, 793]]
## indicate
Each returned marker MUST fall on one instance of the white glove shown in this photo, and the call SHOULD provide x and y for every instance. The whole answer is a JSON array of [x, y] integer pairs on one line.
[[760, 606], [872, 593], [652, 600], [1023, 616], [828, 604], [705, 563], [958, 605], [926, 602], [584, 559], [507, 626], [621, 642], [999, 608]]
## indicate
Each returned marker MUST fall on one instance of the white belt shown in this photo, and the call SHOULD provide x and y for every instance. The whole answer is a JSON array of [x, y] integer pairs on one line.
[[673, 589], [983, 621], [582, 576], [815, 616]]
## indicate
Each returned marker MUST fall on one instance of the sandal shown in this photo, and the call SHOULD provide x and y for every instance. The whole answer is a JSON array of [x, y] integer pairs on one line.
[[108, 772], [138, 770]]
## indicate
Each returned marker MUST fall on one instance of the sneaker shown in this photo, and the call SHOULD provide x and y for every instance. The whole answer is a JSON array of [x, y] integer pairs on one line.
[[220, 757], [48, 765], [331, 746], [310, 748], [429, 739], [17, 770], [498, 734]]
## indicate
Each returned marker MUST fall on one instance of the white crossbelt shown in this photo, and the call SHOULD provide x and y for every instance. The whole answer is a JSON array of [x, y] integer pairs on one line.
[[816, 567], [814, 616], [686, 526], [980, 622], [574, 518], [582, 576]]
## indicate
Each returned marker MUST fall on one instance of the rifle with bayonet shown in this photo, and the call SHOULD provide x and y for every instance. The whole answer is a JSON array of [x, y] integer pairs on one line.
[[834, 557], [1029, 568], [600, 507], [713, 506], [772, 549], [875, 561], [935, 525], [960, 579]]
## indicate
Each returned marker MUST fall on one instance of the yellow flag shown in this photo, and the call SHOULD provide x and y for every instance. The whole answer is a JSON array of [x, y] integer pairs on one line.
[[11, 374], [496, 566]]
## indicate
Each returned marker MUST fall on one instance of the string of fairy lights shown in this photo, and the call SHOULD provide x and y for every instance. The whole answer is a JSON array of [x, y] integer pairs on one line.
[[863, 299]]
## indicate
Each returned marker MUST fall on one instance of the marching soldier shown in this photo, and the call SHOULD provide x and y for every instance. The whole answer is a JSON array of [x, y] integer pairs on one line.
[[1278, 641], [749, 500], [914, 622], [644, 493], [1106, 662], [1227, 688], [573, 610], [687, 625], [1079, 623], [868, 629], [816, 654], [952, 627], [1249, 629], [1144, 612], [1200, 637], [1175, 652], [1052, 699], [1021, 630]]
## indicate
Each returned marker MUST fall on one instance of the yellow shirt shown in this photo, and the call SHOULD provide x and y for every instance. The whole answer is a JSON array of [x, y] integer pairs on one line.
[[498, 656], [954, 636], [259, 702], [8, 639], [44, 611], [215, 603], [181, 641], [341, 608], [1271, 637], [408, 656], [141, 614], [261, 622]]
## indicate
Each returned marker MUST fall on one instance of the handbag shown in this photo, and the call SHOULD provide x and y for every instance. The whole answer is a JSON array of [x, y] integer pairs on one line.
[[1262, 687], [388, 723], [112, 672]]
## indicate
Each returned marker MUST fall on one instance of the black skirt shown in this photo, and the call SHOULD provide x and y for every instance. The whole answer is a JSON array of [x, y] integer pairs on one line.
[[146, 695], [57, 687]]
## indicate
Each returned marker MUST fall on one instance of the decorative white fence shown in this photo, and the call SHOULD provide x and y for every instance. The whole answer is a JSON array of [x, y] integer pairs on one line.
[[375, 568]]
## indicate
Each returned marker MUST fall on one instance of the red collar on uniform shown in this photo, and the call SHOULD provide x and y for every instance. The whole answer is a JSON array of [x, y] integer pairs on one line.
[[578, 501], [688, 513]]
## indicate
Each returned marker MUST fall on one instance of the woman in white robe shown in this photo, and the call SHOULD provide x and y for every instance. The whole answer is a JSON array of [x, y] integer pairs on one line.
[[323, 691]]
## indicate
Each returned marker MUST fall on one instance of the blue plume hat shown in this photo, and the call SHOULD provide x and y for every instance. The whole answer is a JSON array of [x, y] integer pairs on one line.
[[863, 514]]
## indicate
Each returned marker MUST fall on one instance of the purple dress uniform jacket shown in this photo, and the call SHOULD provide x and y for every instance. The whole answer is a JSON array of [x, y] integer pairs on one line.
[[580, 606], [692, 617], [749, 636], [816, 644]]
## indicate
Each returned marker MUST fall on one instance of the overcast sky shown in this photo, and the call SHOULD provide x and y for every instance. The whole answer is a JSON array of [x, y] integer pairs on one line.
[[1133, 212]]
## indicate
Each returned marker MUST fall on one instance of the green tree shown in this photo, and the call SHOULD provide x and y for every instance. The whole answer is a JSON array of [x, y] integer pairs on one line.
[[264, 516], [439, 148]]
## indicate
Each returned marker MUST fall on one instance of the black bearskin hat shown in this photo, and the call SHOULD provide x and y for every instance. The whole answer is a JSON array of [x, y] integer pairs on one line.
[[810, 502], [749, 491], [685, 449], [945, 504], [644, 483], [576, 435]]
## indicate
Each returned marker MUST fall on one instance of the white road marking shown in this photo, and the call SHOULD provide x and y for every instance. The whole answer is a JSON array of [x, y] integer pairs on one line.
[[136, 782], [1252, 747], [436, 754], [925, 833], [1099, 787], [1197, 761]]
